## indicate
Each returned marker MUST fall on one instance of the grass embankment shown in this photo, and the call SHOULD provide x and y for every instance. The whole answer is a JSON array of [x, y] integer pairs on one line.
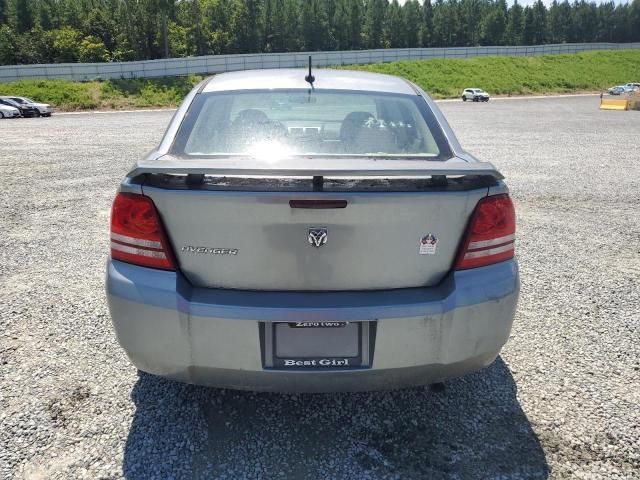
[[579, 72], [442, 78], [104, 95]]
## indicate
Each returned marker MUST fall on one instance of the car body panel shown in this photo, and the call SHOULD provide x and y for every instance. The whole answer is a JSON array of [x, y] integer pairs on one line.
[[373, 243], [212, 336]]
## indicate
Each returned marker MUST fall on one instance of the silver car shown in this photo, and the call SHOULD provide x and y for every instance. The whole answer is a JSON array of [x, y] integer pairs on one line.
[[311, 233], [7, 111], [42, 109]]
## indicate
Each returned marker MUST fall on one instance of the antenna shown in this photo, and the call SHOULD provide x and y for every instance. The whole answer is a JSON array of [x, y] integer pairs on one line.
[[310, 78]]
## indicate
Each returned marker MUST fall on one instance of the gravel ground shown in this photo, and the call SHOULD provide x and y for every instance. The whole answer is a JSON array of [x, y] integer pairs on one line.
[[562, 401]]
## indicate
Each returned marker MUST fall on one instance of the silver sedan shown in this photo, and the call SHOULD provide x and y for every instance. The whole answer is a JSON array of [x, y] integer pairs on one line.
[[324, 232]]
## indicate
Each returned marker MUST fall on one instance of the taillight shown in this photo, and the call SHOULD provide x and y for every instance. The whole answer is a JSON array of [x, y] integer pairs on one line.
[[490, 235], [137, 234]]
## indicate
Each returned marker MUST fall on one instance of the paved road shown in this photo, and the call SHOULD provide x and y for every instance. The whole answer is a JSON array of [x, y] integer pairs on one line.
[[562, 401]]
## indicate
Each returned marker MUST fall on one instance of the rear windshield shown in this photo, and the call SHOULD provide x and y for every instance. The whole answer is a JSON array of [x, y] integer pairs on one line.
[[307, 123]]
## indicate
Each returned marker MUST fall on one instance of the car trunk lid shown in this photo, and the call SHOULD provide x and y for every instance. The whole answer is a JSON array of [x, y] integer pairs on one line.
[[282, 232]]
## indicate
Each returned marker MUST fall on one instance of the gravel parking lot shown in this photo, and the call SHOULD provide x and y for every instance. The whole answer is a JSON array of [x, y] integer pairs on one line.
[[562, 401]]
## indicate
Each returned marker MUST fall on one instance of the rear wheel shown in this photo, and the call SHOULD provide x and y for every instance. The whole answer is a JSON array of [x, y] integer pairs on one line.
[[464, 99], [1, 115], [475, 99]]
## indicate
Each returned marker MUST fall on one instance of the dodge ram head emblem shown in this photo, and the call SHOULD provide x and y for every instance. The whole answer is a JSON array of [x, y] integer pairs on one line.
[[317, 236]]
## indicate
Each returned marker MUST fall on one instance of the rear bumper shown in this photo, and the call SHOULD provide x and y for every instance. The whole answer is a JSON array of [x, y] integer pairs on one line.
[[212, 337]]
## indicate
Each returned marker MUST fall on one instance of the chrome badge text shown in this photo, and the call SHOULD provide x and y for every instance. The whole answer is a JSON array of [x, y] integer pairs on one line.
[[209, 250]]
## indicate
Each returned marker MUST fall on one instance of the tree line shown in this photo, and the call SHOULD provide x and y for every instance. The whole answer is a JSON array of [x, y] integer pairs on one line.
[[55, 31]]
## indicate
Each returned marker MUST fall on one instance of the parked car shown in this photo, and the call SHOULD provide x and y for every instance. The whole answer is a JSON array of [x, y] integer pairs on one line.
[[7, 111], [25, 110], [44, 109], [617, 90], [346, 242], [475, 95], [631, 87]]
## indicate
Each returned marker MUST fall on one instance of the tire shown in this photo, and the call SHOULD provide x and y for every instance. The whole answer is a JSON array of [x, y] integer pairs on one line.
[[475, 99], [1, 115], [38, 114], [464, 99]]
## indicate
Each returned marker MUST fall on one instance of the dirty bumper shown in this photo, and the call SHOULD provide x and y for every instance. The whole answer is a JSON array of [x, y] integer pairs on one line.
[[226, 338]]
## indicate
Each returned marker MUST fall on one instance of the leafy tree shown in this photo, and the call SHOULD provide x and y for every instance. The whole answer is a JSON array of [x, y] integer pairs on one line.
[[513, 32], [3, 12], [23, 16], [559, 22], [540, 23], [494, 24], [426, 31], [92, 49], [244, 26], [44, 14], [315, 26], [394, 26], [342, 26], [412, 16], [123, 51], [99, 25], [528, 27], [373, 23], [8, 46], [65, 45], [356, 9], [37, 31], [445, 24]]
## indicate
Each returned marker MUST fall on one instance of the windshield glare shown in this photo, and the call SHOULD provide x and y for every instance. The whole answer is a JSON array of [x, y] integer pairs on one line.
[[299, 122]]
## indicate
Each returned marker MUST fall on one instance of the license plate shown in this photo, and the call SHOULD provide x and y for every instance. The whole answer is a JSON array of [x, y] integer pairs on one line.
[[316, 345]]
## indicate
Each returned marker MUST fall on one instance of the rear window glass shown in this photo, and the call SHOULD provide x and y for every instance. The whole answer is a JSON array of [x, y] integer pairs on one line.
[[300, 122]]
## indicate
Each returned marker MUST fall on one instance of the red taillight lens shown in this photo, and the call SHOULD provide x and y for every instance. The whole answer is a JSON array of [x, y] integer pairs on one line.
[[491, 233], [137, 235]]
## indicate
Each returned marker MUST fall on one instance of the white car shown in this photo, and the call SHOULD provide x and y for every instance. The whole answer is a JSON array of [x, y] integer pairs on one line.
[[475, 95], [631, 87], [7, 111], [44, 109]]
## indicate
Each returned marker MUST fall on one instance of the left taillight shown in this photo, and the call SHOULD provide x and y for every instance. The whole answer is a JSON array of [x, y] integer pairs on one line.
[[137, 234]]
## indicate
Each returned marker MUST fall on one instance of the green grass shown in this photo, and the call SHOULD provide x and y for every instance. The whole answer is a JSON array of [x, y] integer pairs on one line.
[[110, 94], [442, 78], [588, 71]]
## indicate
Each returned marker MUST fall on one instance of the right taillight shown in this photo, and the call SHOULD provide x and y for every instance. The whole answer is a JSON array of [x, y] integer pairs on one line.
[[490, 235], [137, 234]]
